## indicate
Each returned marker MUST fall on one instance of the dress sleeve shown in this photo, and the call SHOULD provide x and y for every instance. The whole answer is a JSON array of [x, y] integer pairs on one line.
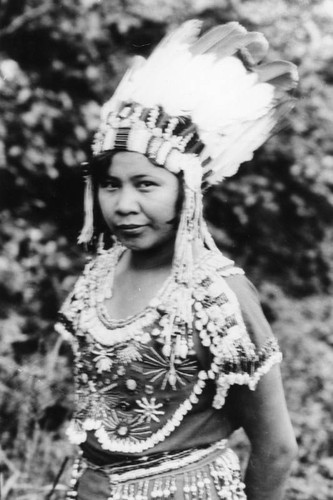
[[247, 350], [254, 319]]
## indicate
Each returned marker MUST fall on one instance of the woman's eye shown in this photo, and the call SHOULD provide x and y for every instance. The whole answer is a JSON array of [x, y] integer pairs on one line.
[[109, 184], [145, 184]]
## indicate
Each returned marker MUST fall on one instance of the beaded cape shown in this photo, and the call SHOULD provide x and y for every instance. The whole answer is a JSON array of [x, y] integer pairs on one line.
[[137, 379]]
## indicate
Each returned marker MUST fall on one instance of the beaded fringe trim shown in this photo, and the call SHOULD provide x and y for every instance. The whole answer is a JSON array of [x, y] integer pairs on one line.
[[220, 478]]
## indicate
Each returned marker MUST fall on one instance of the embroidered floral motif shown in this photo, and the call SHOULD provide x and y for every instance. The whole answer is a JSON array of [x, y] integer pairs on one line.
[[128, 353], [149, 409], [109, 389], [103, 360], [120, 426], [160, 370]]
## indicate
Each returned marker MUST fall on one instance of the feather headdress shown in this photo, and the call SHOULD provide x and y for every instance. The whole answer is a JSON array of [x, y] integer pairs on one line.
[[200, 105]]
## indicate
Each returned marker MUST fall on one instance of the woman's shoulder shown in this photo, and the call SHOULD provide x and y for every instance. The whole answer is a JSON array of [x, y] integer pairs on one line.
[[245, 294], [250, 306], [216, 262], [218, 265]]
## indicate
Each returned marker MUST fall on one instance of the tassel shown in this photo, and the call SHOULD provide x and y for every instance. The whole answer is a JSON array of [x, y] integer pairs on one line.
[[208, 238], [190, 231], [183, 248], [88, 225]]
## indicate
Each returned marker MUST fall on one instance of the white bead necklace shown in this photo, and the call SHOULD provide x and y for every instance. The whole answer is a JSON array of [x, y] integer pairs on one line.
[[157, 320]]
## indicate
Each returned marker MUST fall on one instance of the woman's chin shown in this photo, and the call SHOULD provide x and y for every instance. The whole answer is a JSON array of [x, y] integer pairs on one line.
[[136, 245], [158, 248], [143, 243]]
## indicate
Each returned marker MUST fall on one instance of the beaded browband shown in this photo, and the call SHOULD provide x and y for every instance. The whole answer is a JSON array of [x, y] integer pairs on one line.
[[168, 141]]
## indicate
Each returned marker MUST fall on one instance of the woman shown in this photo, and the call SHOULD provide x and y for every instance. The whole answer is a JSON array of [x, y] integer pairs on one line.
[[173, 352]]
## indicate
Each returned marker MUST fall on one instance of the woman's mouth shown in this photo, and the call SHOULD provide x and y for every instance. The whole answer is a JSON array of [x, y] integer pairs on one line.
[[130, 229]]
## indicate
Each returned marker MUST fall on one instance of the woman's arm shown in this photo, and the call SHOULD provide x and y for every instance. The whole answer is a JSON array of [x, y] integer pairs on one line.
[[263, 415]]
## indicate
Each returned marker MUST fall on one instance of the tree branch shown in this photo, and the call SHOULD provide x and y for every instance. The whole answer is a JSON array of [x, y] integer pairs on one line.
[[29, 15]]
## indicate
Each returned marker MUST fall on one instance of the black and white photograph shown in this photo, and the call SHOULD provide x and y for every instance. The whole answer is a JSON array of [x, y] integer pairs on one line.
[[166, 262]]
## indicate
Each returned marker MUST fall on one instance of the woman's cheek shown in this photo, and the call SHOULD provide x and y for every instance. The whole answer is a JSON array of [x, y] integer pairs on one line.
[[106, 207]]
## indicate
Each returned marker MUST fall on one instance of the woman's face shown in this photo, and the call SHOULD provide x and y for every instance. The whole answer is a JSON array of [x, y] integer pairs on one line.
[[138, 201]]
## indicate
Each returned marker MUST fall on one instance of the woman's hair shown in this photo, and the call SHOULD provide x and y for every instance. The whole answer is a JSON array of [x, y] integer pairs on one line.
[[98, 168]]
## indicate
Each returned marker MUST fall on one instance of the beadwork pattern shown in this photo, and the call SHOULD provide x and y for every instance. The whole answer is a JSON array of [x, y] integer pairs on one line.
[[165, 140], [136, 379], [193, 474]]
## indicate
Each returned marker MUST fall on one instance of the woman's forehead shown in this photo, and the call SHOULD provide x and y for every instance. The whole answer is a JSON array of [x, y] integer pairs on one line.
[[126, 164]]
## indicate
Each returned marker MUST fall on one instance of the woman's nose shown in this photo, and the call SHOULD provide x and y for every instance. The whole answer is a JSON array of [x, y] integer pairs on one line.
[[127, 201]]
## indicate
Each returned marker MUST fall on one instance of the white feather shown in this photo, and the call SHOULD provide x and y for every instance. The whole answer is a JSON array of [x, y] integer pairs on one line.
[[231, 107], [240, 146]]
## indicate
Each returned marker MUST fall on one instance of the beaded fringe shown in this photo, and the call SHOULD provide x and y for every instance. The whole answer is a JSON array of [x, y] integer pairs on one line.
[[219, 478]]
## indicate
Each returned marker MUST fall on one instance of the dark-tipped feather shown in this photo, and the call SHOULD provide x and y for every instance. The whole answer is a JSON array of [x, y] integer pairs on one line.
[[225, 41], [281, 110], [281, 74], [257, 46]]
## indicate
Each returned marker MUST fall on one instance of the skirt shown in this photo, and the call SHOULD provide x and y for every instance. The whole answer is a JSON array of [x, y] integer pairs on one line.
[[202, 474]]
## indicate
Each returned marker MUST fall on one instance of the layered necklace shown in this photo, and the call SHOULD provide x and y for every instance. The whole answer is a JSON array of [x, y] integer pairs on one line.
[[167, 318]]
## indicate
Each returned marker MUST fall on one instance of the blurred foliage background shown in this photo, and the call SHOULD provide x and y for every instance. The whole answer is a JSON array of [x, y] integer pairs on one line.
[[58, 62]]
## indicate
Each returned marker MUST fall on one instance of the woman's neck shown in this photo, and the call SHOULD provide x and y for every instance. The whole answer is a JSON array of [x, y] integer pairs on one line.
[[153, 258]]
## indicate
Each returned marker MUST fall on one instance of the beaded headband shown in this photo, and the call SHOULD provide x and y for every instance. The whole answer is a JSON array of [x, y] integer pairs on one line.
[[170, 142], [152, 132]]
